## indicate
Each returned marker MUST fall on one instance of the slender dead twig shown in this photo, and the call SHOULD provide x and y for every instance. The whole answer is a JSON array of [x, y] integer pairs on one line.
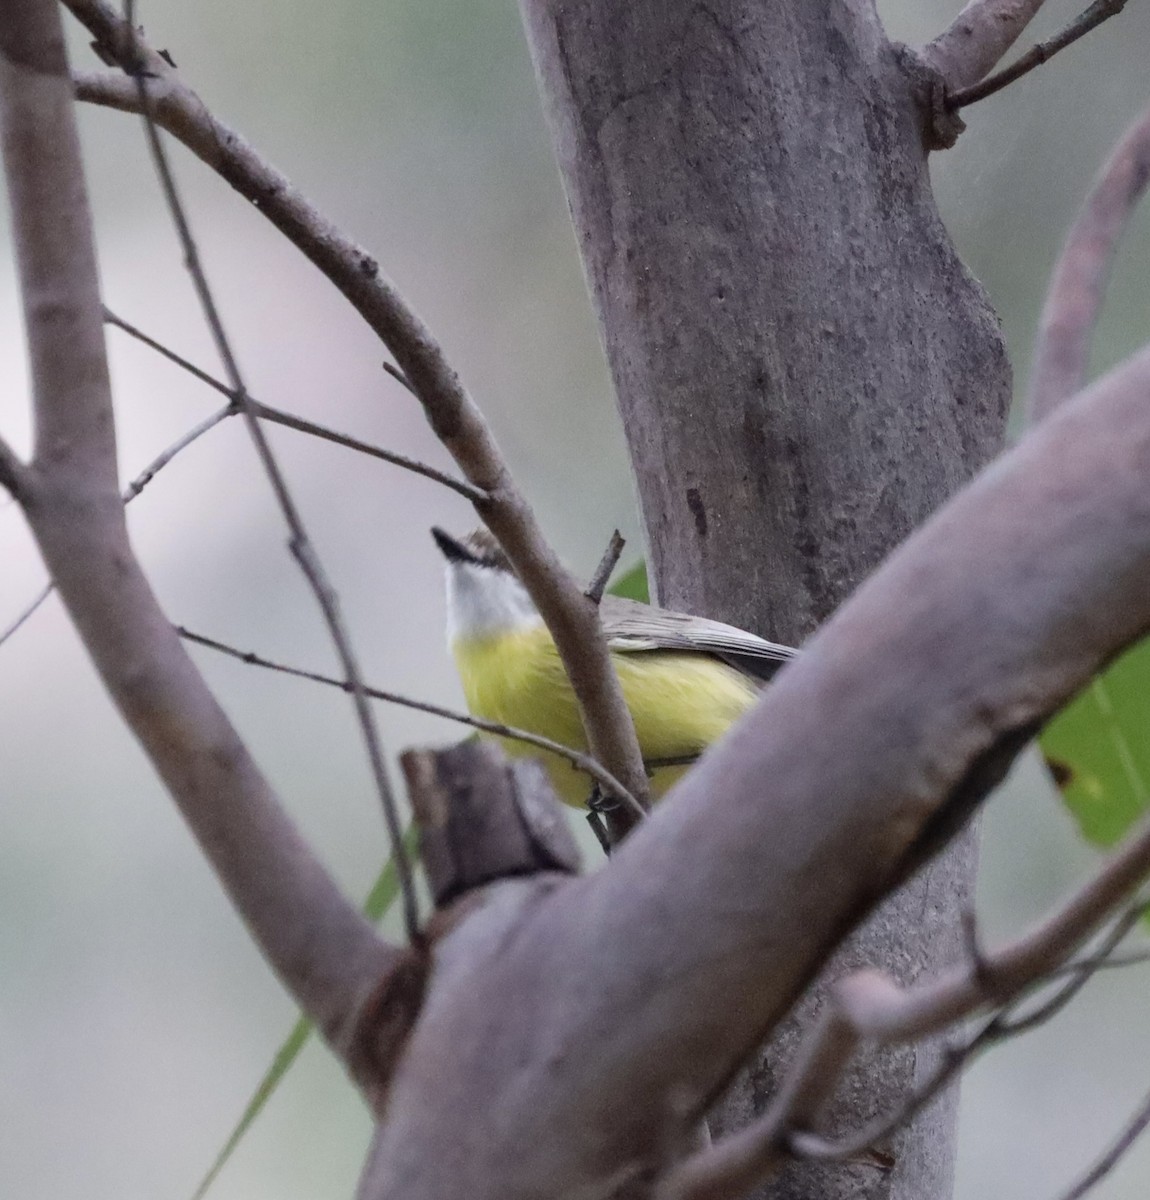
[[452, 413], [577, 759], [300, 544], [1091, 18], [278, 416], [134, 488], [607, 564], [1078, 283], [1134, 1129], [978, 38]]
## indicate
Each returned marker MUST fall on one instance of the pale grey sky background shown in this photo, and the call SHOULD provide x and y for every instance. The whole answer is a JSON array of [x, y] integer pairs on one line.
[[135, 1017]]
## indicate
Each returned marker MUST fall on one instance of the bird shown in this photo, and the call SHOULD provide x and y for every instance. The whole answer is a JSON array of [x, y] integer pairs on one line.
[[685, 679]]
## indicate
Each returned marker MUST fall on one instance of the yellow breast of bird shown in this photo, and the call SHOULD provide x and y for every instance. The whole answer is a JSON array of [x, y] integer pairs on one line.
[[680, 702]]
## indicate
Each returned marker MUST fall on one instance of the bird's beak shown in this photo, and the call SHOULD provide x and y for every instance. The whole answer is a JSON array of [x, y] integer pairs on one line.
[[452, 550]]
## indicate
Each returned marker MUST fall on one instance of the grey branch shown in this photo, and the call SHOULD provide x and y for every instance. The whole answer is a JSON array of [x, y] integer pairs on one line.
[[977, 39], [327, 954], [452, 413], [12, 471], [1078, 284], [1099, 11]]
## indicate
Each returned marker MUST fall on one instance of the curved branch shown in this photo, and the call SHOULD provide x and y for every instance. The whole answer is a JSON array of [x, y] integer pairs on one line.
[[1078, 284], [571, 617], [327, 953]]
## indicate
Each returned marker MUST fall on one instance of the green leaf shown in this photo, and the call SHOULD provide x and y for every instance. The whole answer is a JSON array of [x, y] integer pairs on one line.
[[1098, 749], [381, 897], [632, 584]]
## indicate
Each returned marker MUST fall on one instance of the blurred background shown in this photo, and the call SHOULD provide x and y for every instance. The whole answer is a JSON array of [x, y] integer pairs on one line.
[[135, 1017]]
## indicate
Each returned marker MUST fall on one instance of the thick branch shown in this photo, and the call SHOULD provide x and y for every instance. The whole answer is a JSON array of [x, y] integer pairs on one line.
[[571, 617], [327, 954], [778, 842], [978, 38], [1078, 285]]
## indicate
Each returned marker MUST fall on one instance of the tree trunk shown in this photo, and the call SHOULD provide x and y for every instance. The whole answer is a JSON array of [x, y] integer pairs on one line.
[[804, 368]]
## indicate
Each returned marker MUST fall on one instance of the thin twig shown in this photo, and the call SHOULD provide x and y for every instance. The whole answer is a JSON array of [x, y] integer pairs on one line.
[[1134, 1128], [449, 408], [977, 39], [1078, 282], [1091, 18], [300, 545], [129, 494], [607, 564], [161, 460], [578, 760], [399, 377], [41, 596], [278, 416]]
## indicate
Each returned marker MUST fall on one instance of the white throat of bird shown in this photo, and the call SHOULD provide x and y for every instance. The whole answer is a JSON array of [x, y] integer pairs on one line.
[[484, 601]]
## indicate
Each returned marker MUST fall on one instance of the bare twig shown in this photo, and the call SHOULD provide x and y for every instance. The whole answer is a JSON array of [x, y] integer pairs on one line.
[[1091, 18], [399, 377], [278, 416], [29, 610], [162, 459], [129, 494], [300, 544], [978, 38], [1134, 1129], [607, 564], [326, 952], [578, 760], [1078, 284], [453, 415]]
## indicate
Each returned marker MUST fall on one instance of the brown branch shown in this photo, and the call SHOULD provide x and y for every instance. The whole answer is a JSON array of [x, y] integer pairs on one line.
[[453, 415], [1078, 284], [300, 544], [327, 954], [1136, 1126], [1091, 18], [578, 760], [977, 39], [607, 564], [279, 417]]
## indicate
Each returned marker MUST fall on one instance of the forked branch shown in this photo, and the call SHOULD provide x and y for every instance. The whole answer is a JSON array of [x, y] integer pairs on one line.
[[455, 418]]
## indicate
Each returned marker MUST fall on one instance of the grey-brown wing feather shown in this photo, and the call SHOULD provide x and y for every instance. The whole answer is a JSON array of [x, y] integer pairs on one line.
[[632, 627]]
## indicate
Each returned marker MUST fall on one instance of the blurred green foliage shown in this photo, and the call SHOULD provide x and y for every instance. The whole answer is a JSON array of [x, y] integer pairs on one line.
[[1098, 752]]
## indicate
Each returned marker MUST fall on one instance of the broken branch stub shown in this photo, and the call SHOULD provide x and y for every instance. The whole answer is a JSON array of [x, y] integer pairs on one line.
[[483, 818]]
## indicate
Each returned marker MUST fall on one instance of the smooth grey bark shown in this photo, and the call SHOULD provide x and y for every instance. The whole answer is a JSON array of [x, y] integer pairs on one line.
[[804, 368]]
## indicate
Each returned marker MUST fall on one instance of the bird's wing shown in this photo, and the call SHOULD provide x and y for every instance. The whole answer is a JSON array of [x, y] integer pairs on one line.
[[634, 627]]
